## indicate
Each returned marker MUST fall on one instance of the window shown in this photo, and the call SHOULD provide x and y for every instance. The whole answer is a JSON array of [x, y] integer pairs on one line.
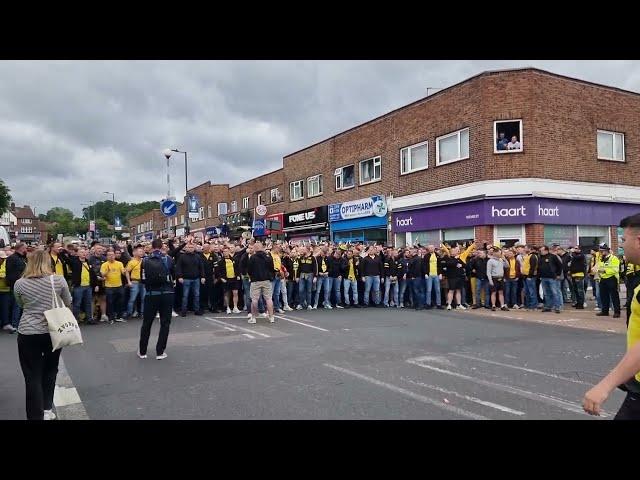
[[508, 135], [564, 235], [26, 220], [370, 170], [452, 147], [150, 224], [259, 202], [610, 146], [508, 235], [208, 211], [314, 186], [454, 236], [428, 237], [345, 177], [201, 213], [234, 206], [245, 202], [414, 158], [590, 236], [26, 229], [222, 208], [275, 195], [296, 190], [181, 218]]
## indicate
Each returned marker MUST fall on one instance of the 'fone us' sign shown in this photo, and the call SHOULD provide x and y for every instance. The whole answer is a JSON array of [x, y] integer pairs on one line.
[[312, 216]]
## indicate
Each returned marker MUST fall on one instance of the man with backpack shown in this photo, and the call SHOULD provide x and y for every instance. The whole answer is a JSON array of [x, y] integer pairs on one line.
[[157, 276]]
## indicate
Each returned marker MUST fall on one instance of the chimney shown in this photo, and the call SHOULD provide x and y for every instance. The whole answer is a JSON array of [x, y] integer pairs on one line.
[[13, 206]]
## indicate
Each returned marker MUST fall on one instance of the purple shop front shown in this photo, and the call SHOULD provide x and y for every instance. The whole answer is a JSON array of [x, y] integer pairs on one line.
[[513, 211]]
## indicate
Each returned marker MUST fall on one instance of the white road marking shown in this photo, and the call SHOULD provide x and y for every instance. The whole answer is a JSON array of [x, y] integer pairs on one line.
[[301, 323], [66, 399], [248, 335], [63, 396], [434, 359], [409, 393], [530, 370], [467, 397], [230, 329], [248, 330], [557, 402]]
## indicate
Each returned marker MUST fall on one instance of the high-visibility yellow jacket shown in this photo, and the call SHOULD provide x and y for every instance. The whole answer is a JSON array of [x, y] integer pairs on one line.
[[609, 267]]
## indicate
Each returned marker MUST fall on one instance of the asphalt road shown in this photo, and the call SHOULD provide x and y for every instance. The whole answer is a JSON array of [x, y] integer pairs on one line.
[[342, 364]]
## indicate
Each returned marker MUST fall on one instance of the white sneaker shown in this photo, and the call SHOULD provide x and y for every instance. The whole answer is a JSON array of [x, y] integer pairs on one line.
[[448, 307], [161, 357], [339, 306], [173, 314], [121, 320], [235, 310], [461, 307], [272, 320], [9, 328], [248, 315], [309, 307], [299, 307], [328, 307], [49, 415], [265, 315], [516, 307], [280, 310], [157, 315], [251, 320], [401, 305], [287, 308], [596, 309], [585, 305], [141, 356], [104, 318], [315, 307], [228, 311]]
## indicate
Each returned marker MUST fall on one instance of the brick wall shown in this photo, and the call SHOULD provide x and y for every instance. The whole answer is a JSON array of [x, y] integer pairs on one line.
[[534, 233], [484, 233], [560, 120]]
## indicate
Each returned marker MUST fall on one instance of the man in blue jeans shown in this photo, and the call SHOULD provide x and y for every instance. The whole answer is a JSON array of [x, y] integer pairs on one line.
[[84, 281], [308, 271], [415, 278], [549, 271], [134, 267], [323, 281], [479, 269], [371, 271], [432, 276], [190, 273]]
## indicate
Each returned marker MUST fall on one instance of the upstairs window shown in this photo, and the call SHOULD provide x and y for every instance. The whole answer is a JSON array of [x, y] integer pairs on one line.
[[610, 146], [345, 177], [508, 136], [414, 158], [296, 190], [234, 206], [245, 202], [275, 195], [314, 186], [259, 202], [370, 170], [222, 208], [452, 147]]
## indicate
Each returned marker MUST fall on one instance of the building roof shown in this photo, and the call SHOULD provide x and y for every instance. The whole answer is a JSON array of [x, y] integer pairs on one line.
[[24, 212], [482, 74]]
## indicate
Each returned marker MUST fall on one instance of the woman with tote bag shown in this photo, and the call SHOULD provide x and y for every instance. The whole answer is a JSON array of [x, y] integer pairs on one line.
[[35, 293]]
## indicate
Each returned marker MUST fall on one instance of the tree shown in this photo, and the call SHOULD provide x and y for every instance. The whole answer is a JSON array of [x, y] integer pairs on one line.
[[5, 198]]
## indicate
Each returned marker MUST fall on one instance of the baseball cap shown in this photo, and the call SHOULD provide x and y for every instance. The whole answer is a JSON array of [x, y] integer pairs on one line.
[[603, 246]]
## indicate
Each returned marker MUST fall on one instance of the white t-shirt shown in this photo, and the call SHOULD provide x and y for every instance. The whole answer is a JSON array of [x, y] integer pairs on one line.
[[513, 146]]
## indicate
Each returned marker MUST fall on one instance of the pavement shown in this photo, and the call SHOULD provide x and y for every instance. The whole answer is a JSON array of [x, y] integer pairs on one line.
[[340, 364]]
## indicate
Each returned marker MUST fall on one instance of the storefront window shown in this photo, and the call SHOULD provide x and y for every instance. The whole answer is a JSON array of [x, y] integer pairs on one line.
[[453, 236], [400, 240], [429, 237], [563, 235], [590, 236], [508, 235]]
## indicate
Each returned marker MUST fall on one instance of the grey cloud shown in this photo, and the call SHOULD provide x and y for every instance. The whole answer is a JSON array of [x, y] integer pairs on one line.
[[71, 130]]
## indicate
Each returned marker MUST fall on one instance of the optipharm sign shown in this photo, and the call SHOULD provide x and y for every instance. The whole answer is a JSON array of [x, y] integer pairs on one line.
[[365, 207]]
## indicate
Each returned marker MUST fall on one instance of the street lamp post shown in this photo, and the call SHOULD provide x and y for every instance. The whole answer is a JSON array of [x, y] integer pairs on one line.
[[113, 208], [167, 153]]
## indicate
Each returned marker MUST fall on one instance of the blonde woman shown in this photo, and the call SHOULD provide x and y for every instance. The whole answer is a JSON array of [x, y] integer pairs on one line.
[[39, 364]]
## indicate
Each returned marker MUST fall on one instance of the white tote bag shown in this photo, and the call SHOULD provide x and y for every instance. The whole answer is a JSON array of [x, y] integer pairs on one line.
[[63, 327]]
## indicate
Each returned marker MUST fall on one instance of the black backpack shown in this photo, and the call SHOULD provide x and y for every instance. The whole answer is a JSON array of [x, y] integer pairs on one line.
[[155, 272]]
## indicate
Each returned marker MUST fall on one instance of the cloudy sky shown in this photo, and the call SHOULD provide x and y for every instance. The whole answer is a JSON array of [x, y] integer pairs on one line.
[[71, 130]]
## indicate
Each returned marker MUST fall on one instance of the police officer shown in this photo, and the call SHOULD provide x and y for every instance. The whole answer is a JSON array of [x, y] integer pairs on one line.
[[626, 375], [609, 272]]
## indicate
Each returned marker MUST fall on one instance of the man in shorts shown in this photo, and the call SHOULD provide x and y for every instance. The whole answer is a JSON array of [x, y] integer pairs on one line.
[[261, 273]]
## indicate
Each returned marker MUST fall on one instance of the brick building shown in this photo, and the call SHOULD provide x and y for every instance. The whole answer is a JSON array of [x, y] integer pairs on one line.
[[509, 156], [568, 176], [147, 226], [27, 227]]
